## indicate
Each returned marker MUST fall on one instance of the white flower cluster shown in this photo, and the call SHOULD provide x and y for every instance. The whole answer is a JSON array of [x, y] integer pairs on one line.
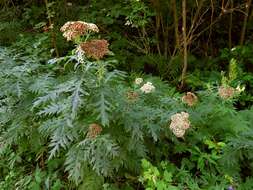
[[179, 123], [130, 23], [79, 54], [73, 29], [138, 81], [147, 88], [92, 27], [240, 89]]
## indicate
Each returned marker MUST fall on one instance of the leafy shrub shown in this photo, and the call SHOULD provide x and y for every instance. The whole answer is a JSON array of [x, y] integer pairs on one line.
[[9, 32], [77, 122]]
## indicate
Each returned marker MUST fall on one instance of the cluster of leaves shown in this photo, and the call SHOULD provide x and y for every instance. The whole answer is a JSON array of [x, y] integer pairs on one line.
[[168, 176], [47, 108]]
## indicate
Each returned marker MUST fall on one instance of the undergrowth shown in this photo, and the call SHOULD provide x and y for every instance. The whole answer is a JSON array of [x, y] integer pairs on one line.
[[76, 122]]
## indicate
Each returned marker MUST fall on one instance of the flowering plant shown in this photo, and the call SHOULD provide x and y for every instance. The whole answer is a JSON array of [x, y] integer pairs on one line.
[[95, 124]]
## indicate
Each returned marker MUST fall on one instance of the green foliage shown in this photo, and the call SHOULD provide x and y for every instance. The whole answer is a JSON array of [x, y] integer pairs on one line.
[[168, 176], [60, 101], [9, 32], [49, 106], [154, 180]]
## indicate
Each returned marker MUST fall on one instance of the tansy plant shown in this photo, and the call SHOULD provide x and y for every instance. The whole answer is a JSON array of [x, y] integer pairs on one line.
[[89, 114], [87, 48], [83, 117], [78, 103]]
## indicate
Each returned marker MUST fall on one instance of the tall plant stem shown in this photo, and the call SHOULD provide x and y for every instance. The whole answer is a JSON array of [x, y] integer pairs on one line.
[[158, 20], [185, 44], [53, 35], [248, 3]]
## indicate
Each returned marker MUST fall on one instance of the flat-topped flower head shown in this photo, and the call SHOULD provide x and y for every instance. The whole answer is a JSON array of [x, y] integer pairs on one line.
[[95, 49], [226, 92], [132, 96], [94, 130], [179, 123], [92, 27], [138, 81], [147, 88], [178, 132], [73, 29], [190, 98]]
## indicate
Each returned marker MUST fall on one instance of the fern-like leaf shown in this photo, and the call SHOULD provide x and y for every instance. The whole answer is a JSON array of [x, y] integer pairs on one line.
[[52, 109], [103, 108]]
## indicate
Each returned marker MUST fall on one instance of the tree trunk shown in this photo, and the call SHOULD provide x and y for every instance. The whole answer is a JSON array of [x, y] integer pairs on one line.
[[185, 44], [230, 26], [248, 3], [174, 5]]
